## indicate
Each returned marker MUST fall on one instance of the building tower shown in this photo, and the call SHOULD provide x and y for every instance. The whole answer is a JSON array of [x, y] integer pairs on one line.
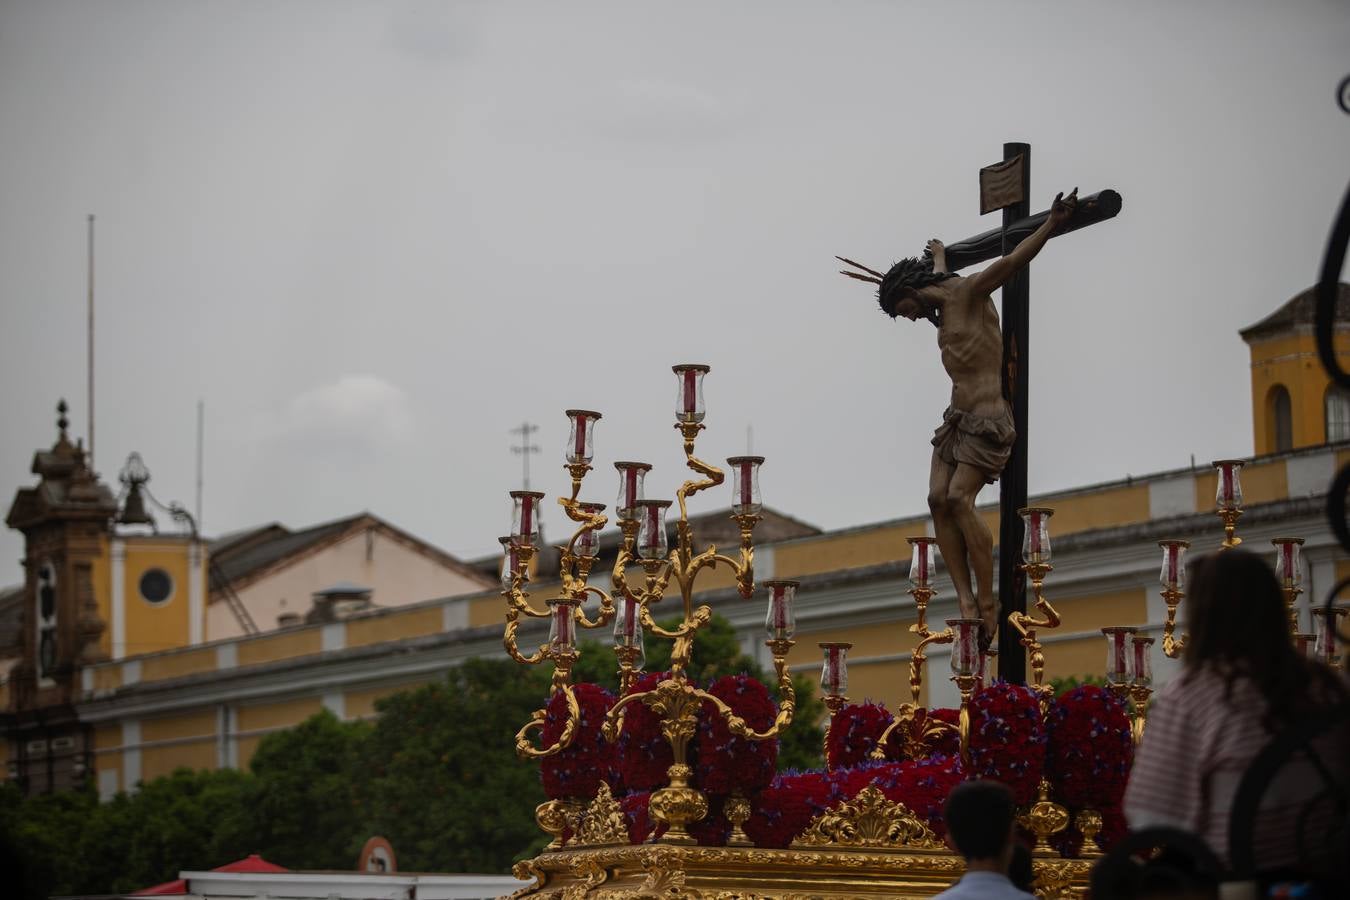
[[1294, 403], [65, 520]]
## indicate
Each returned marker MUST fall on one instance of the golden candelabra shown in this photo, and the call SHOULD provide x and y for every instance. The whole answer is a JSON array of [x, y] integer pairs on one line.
[[644, 545], [674, 699], [1036, 565]]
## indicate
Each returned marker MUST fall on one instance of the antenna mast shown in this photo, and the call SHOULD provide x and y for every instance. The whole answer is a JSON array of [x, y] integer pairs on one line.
[[90, 361], [525, 448], [201, 429]]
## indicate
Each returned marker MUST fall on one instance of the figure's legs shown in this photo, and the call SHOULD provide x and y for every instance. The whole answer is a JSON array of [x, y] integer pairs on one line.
[[950, 539], [962, 489]]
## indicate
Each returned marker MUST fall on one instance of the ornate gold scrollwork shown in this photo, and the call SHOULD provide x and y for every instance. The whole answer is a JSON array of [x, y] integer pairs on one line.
[[868, 820]]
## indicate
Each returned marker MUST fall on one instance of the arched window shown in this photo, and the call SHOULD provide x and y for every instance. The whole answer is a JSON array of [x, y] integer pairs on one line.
[[1337, 407], [1281, 418]]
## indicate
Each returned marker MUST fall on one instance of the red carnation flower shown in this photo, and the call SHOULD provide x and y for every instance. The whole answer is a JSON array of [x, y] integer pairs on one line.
[[784, 809], [576, 772], [1007, 738], [641, 828], [1090, 750], [643, 752], [727, 762], [854, 733]]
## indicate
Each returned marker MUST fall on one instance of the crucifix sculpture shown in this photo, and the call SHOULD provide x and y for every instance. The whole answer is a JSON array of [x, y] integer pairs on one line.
[[983, 435]]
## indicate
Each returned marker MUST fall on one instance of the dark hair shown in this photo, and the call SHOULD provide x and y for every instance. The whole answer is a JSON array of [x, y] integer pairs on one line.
[[1020, 871], [1239, 628], [907, 278], [979, 817]]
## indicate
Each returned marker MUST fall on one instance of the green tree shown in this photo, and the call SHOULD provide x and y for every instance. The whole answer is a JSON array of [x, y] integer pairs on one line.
[[441, 779], [299, 807], [1065, 683], [171, 824]]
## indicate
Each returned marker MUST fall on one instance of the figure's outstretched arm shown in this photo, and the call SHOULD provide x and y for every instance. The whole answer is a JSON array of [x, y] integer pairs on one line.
[[938, 251], [992, 278]]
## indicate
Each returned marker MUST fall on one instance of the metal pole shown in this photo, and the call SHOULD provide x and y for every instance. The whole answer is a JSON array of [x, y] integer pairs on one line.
[[1012, 585], [201, 432], [91, 343]]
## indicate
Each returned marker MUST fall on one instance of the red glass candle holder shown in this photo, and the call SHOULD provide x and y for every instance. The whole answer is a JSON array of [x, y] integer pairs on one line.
[[1118, 653], [834, 672], [631, 476], [745, 497], [525, 517], [965, 646], [1289, 562], [1035, 534], [780, 623], [651, 539], [921, 561], [689, 393], [1228, 493], [581, 436], [1173, 573]]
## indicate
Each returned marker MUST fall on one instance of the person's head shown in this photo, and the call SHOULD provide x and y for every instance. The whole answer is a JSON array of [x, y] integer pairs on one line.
[[979, 817], [1238, 626], [910, 290], [1235, 613]]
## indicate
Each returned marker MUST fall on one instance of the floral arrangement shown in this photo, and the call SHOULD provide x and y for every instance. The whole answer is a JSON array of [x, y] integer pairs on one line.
[[1082, 746], [1090, 751], [727, 762], [854, 734], [1007, 738], [643, 753], [784, 809], [576, 772], [1088, 760]]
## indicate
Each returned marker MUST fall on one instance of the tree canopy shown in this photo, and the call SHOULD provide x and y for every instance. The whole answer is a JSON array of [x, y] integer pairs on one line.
[[435, 772]]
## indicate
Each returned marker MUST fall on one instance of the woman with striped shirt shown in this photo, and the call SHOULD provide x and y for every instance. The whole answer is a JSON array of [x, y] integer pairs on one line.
[[1242, 682]]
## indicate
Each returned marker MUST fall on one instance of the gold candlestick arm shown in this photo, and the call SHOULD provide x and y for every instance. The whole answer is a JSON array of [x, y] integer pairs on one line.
[[918, 658], [1230, 516], [787, 699], [833, 703], [1027, 625], [1172, 646]]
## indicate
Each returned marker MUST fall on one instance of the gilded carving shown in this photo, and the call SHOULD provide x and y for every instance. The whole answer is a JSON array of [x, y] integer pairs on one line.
[[1055, 878], [603, 822], [590, 874], [868, 820]]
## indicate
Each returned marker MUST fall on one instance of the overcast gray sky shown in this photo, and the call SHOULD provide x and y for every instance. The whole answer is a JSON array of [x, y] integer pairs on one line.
[[373, 237]]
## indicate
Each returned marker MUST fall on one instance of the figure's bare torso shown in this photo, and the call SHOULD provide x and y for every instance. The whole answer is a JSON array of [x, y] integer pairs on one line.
[[971, 341]]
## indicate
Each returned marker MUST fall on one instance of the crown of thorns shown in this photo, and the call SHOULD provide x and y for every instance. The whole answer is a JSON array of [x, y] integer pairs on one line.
[[909, 274]]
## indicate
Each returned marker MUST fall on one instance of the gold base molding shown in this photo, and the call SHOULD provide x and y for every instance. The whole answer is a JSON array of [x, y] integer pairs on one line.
[[747, 873]]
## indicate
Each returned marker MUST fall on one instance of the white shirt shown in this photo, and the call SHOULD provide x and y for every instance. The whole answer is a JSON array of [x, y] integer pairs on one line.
[[983, 886]]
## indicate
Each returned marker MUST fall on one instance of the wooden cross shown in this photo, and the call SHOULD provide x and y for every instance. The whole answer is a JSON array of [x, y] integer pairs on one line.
[[1007, 185]]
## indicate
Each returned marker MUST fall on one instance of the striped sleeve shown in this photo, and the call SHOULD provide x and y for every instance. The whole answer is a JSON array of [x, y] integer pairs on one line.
[[1167, 781]]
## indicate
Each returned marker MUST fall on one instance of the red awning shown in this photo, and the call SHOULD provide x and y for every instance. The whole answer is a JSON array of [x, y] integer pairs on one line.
[[251, 863]]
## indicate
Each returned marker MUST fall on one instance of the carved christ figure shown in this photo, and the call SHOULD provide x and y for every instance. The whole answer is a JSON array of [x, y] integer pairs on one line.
[[972, 445]]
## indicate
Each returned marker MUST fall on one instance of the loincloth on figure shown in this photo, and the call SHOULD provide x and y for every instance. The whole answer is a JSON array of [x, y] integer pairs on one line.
[[983, 442]]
